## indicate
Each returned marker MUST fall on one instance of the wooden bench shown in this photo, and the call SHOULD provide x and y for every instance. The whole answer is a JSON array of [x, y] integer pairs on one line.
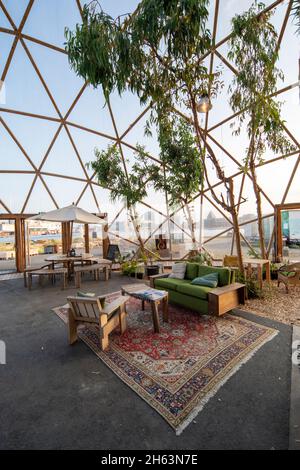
[[34, 268], [92, 268], [51, 273]]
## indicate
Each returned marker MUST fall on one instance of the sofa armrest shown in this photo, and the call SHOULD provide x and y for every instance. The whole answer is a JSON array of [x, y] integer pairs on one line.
[[156, 276]]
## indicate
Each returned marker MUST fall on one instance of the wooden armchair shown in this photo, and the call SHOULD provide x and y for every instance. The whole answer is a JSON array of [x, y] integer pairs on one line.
[[289, 275], [94, 310]]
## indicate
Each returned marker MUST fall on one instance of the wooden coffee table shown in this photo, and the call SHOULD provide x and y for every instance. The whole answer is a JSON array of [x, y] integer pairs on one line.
[[138, 291]]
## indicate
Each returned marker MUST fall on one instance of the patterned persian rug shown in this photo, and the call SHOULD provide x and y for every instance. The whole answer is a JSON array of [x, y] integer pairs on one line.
[[179, 369]]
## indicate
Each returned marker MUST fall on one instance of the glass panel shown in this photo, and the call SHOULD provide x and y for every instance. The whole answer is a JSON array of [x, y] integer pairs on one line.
[[7, 246], [290, 224]]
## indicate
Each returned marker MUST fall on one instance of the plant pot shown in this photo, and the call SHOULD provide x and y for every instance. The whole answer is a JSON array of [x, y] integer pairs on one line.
[[152, 270], [137, 275]]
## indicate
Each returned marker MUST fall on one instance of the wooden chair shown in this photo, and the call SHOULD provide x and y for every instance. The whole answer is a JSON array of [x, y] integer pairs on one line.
[[289, 275], [84, 310]]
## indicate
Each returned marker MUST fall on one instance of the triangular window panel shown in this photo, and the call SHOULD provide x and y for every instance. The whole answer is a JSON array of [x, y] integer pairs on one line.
[[281, 172], [137, 135], [40, 200], [86, 143], [227, 11], [11, 157], [4, 209], [62, 158], [248, 208], [24, 128], [214, 223], [14, 189], [65, 85], [293, 194], [24, 90], [66, 191], [291, 110], [4, 23], [125, 115], [6, 41], [47, 20], [220, 246], [87, 202], [112, 208], [16, 10], [91, 112]]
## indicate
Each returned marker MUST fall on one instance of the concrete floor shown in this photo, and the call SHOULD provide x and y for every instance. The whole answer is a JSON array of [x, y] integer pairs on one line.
[[53, 396]]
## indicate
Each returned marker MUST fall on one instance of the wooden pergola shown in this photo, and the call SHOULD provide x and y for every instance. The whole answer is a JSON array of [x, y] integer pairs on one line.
[[62, 119]]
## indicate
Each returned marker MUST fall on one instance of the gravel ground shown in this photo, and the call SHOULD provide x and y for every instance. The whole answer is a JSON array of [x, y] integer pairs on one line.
[[277, 304]]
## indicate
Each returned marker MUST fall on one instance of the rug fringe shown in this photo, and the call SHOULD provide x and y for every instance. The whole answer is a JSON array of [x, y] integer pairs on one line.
[[213, 392]]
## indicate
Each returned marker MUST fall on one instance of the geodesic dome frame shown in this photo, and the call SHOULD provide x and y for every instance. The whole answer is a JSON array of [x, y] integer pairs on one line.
[[41, 177]]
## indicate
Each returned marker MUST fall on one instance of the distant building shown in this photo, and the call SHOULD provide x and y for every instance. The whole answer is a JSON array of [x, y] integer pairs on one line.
[[214, 222]]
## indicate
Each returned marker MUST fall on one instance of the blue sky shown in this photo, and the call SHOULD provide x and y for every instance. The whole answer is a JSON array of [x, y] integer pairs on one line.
[[24, 92]]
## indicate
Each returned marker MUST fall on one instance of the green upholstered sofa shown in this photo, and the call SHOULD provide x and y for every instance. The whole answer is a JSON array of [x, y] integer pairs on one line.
[[184, 293]]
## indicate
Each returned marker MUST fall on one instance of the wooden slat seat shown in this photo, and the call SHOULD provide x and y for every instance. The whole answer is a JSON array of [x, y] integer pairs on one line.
[[50, 272], [33, 268], [93, 268], [108, 316]]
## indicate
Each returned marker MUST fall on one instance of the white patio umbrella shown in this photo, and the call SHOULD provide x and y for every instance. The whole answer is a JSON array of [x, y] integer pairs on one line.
[[70, 213]]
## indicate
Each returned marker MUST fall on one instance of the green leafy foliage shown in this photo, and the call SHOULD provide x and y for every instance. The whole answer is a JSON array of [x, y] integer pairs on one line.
[[253, 50], [155, 52], [180, 158], [111, 174], [296, 14], [202, 258]]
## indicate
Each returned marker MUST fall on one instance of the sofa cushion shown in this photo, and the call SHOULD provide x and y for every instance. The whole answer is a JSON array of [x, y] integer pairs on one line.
[[224, 273], [178, 271], [169, 283], [209, 280], [201, 292], [191, 271]]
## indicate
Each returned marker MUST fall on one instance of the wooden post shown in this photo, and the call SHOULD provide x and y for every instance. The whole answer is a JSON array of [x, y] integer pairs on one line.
[[66, 234], [278, 232], [105, 238], [86, 238], [20, 244]]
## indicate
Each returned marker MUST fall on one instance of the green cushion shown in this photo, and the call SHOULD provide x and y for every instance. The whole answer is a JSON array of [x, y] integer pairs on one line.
[[168, 283], [194, 303], [191, 271], [85, 294], [209, 280], [288, 273], [200, 292], [224, 273]]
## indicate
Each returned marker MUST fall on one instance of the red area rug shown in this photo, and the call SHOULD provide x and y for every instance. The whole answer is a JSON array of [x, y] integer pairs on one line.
[[177, 370]]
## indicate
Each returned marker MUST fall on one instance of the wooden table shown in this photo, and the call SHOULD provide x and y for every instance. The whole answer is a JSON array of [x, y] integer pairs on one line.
[[258, 263], [68, 261], [136, 291]]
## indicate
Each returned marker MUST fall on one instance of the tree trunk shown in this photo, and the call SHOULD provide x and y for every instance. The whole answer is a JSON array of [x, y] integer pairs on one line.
[[192, 227], [235, 222], [133, 216], [261, 234], [231, 208]]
